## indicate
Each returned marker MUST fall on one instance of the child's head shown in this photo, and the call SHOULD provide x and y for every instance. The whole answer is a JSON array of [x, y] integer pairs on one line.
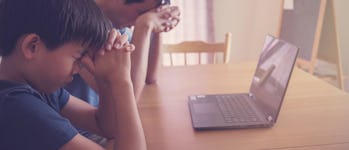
[[46, 38], [55, 21]]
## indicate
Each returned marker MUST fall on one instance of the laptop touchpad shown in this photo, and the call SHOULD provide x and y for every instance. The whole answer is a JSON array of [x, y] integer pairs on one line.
[[205, 108]]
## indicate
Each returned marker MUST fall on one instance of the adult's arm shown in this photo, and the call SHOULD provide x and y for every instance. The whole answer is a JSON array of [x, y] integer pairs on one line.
[[154, 59], [145, 62]]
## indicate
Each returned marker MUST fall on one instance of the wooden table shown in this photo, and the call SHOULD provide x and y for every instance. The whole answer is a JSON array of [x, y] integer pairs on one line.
[[314, 115]]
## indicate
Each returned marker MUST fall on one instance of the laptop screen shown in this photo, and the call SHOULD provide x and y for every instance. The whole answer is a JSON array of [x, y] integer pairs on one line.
[[272, 74]]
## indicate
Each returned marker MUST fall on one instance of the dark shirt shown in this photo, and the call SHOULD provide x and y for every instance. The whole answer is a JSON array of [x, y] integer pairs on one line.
[[31, 120]]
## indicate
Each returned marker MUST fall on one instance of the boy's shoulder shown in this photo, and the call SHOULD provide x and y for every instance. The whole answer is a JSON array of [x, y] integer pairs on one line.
[[13, 94], [24, 113], [19, 97], [10, 88], [15, 90], [19, 92]]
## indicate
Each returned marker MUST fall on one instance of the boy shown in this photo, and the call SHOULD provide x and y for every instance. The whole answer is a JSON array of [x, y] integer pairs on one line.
[[150, 18], [43, 44]]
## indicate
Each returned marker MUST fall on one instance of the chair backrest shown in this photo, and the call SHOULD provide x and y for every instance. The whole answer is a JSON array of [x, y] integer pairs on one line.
[[196, 52]]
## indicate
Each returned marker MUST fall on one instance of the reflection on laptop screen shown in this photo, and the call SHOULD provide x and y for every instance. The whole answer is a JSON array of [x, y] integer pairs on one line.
[[272, 74]]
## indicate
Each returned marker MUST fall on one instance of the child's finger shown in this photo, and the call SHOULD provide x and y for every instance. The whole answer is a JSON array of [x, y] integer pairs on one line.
[[129, 47], [113, 34], [120, 41], [88, 64]]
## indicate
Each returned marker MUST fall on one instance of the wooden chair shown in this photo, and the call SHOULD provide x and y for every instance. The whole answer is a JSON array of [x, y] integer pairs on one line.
[[197, 52]]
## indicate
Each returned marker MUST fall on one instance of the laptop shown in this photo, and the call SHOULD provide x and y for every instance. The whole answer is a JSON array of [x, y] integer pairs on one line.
[[259, 107]]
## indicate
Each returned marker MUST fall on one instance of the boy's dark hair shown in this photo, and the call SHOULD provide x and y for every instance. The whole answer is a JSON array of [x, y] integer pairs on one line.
[[55, 21]]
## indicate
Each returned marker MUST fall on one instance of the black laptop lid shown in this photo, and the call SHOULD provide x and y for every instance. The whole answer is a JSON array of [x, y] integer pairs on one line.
[[272, 75]]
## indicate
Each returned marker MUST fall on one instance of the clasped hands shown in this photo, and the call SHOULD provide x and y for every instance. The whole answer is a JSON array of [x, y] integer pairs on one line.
[[161, 19], [111, 62]]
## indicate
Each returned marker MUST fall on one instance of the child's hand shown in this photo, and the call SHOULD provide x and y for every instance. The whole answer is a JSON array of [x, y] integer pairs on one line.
[[113, 61], [115, 40], [162, 19]]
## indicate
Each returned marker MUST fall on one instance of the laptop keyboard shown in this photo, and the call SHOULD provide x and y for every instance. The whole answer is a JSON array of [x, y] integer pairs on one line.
[[236, 109]]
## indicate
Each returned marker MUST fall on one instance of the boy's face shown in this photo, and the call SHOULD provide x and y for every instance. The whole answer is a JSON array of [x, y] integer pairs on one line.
[[56, 68]]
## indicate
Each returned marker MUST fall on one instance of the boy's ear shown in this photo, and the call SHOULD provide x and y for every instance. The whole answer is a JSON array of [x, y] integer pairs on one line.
[[30, 45]]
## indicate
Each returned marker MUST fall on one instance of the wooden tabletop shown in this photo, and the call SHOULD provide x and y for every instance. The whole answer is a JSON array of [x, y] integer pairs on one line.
[[314, 115]]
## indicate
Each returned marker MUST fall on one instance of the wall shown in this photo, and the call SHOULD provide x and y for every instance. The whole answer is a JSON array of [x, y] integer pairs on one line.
[[249, 21], [342, 24]]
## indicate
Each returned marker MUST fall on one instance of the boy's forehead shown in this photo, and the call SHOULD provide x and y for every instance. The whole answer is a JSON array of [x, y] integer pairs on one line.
[[77, 47]]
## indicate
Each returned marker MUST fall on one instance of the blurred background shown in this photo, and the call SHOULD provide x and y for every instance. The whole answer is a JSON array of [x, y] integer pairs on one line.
[[250, 21]]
